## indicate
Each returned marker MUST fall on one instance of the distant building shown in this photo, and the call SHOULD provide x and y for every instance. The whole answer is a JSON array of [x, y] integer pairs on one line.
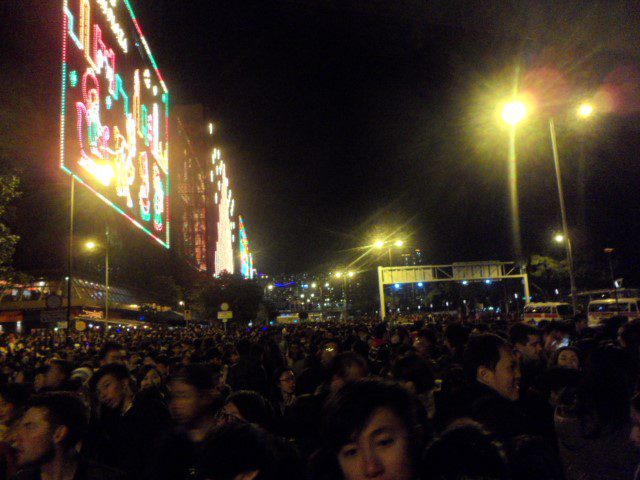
[[413, 258]]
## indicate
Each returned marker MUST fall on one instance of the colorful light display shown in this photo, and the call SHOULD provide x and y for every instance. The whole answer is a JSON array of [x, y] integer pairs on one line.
[[246, 257], [223, 198], [114, 133]]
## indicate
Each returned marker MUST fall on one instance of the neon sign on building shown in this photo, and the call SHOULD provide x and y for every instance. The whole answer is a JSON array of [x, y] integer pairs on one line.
[[246, 257], [225, 203], [114, 134]]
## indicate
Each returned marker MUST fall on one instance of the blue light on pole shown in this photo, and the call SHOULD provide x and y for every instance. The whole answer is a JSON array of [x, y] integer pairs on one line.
[[487, 281], [420, 284], [465, 282], [397, 285]]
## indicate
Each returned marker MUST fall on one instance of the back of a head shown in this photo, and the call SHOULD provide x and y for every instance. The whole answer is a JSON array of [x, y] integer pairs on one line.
[[482, 350], [609, 379], [414, 368], [456, 334], [16, 394], [519, 333], [109, 347], [253, 407], [235, 449], [464, 451], [64, 409], [343, 365], [199, 375], [244, 348]]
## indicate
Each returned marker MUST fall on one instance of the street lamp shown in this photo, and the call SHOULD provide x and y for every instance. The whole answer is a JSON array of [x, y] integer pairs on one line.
[[91, 245], [380, 244], [558, 238], [585, 110], [343, 276], [513, 112], [563, 213]]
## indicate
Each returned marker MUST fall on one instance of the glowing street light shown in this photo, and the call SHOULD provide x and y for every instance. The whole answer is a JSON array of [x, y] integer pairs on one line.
[[351, 274], [338, 274], [379, 244], [398, 243], [559, 238], [513, 112], [585, 110], [90, 245], [270, 287]]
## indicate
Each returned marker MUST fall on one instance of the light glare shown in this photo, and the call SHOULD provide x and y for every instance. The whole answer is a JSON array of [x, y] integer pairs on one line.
[[514, 112]]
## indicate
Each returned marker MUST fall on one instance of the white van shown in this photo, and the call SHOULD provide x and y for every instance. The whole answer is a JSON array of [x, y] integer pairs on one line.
[[538, 311], [600, 310]]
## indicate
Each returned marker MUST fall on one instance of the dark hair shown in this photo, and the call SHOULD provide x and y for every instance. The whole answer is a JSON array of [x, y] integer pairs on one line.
[[244, 348], [116, 370], [63, 365], [17, 394], [608, 381], [414, 368], [253, 407], [143, 371], [276, 394], [199, 375], [532, 458], [554, 358], [64, 409], [457, 335], [344, 362], [464, 450], [630, 335], [519, 333], [238, 448], [347, 412], [109, 347], [483, 350]]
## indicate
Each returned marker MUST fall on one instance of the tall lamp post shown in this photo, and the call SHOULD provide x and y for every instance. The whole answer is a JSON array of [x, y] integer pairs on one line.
[[343, 276], [584, 111], [512, 113], [90, 245]]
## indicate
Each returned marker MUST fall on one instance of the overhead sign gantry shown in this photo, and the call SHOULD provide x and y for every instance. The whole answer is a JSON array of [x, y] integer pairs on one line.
[[455, 272]]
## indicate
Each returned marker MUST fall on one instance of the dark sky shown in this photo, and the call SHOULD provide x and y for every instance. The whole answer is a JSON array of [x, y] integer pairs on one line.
[[339, 117]]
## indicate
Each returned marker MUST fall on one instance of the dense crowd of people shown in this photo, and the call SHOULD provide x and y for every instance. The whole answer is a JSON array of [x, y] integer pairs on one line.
[[415, 399]]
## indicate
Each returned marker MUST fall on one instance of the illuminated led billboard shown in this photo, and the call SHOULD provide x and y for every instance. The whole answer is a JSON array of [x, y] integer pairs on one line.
[[246, 257], [225, 205], [115, 109]]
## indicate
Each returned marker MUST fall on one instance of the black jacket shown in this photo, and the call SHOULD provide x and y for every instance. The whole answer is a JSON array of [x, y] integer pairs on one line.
[[128, 442], [503, 417]]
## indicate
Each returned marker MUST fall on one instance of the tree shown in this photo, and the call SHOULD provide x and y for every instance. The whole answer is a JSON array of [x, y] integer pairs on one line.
[[547, 273], [9, 190], [242, 295]]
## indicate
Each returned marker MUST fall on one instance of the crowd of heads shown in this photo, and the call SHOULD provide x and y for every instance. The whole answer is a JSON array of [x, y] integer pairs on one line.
[[432, 397]]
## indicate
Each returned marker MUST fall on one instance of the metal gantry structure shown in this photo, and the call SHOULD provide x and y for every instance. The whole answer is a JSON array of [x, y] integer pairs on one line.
[[455, 272]]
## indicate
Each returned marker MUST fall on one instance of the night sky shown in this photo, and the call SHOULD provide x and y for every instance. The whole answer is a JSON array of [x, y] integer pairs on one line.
[[337, 118]]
